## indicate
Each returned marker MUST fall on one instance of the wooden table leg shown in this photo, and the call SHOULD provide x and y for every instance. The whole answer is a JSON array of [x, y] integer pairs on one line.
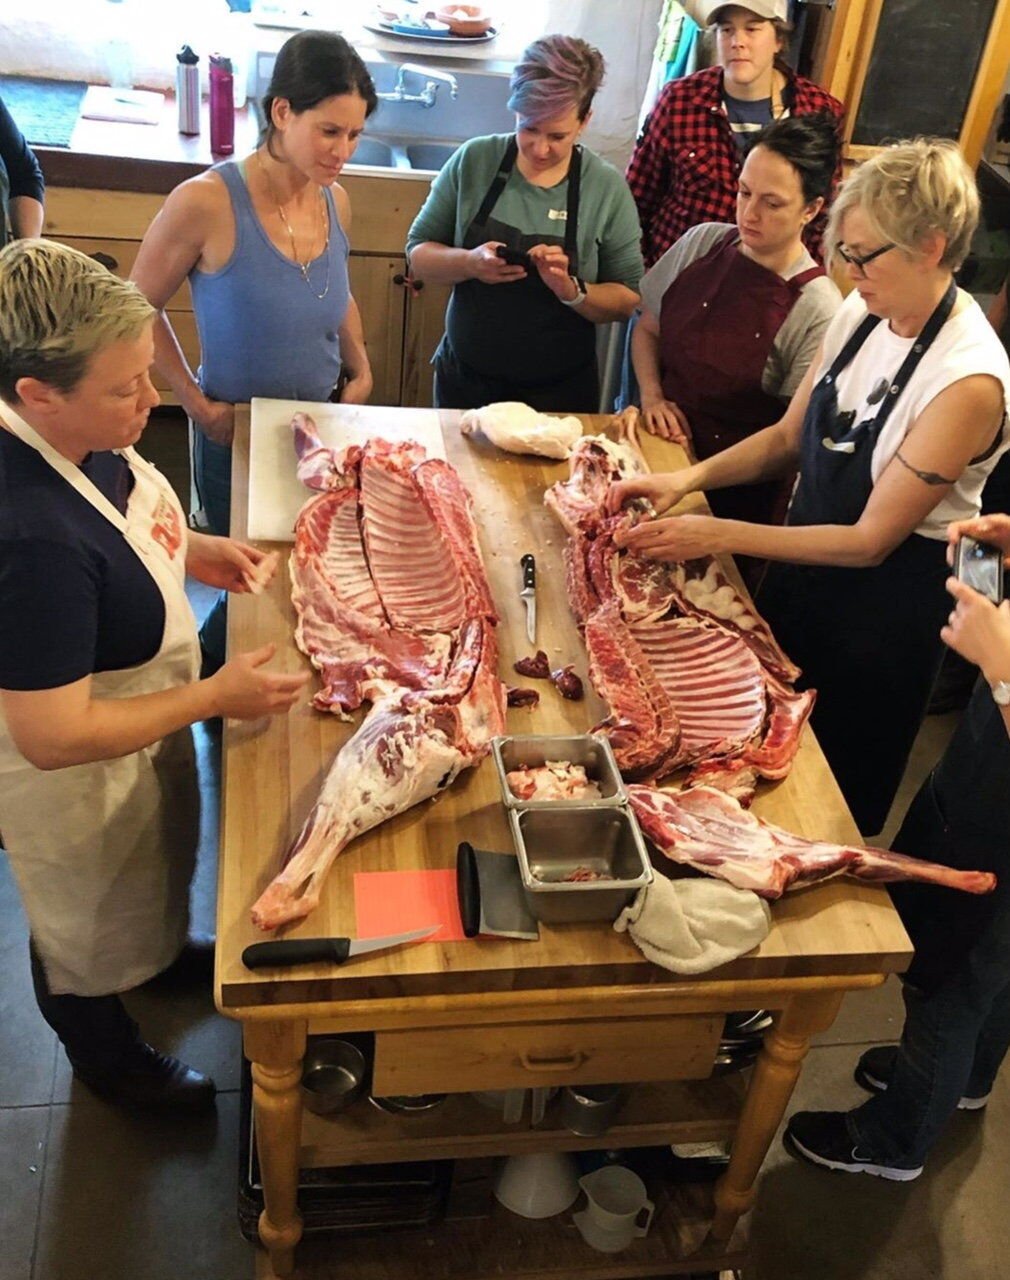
[[775, 1074], [275, 1051]]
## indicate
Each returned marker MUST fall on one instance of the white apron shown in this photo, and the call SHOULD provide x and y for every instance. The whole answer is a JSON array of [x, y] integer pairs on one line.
[[103, 853]]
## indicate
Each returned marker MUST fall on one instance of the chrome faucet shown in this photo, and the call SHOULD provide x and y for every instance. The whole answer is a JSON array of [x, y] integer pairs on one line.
[[426, 98]]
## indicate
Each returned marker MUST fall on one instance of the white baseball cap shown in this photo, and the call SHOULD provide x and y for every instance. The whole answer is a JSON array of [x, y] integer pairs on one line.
[[763, 8]]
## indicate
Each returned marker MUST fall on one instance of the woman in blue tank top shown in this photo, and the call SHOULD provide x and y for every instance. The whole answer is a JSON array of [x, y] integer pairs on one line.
[[264, 245]]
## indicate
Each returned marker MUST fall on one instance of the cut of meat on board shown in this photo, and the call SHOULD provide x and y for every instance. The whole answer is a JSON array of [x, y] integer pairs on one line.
[[393, 608], [595, 464], [516, 428], [706, 829]]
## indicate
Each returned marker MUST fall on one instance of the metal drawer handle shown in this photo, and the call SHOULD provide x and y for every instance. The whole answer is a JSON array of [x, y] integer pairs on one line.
[[575, 1058], [106, 260]]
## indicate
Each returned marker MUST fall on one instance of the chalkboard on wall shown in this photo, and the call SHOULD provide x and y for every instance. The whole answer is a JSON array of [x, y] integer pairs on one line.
[[925, 58]]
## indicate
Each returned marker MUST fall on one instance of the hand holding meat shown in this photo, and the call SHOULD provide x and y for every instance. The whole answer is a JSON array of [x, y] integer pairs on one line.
[[488, 268], [979, 630], [243, 690], [664, 490], [994, 529], [228, 564], [665, 419], [551, 263], [676, 538]]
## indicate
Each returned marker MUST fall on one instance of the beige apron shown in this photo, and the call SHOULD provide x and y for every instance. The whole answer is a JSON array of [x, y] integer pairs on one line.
[[103, 853]]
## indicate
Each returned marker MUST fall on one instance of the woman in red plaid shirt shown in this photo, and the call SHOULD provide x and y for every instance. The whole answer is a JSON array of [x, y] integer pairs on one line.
[[688, 159]]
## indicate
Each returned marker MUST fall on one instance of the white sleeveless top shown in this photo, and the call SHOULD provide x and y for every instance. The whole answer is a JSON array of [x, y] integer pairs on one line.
[[966, 345]]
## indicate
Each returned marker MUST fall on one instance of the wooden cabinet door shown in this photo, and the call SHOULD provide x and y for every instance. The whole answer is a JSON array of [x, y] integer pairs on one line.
[[423, 331], [381, 304]]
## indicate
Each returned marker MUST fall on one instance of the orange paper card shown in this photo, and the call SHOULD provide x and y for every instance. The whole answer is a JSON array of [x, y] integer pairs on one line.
[[388, 902]]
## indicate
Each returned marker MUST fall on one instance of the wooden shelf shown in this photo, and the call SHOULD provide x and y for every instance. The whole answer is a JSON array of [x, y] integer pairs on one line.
[[681, 1111], [504, 1245]]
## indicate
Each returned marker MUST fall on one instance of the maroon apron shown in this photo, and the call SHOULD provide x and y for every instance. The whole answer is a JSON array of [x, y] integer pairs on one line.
[[717, 324]]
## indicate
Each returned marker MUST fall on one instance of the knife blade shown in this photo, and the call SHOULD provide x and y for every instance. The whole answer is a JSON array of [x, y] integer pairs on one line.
[[285, 951], [528, 595]]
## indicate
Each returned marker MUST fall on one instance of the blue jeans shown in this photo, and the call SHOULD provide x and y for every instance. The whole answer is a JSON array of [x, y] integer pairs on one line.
[[212, 474], [957, 998]]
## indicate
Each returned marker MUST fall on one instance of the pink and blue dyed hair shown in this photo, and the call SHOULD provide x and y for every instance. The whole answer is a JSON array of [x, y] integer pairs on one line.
[[555, 74]]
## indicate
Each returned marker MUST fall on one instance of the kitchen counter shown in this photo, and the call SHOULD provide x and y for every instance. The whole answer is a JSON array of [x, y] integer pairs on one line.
[[581, 1005]]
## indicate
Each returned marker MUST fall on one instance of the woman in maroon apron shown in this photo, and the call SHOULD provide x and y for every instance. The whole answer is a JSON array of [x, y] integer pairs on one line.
[[894, 430], [716, 355], [539, 238]]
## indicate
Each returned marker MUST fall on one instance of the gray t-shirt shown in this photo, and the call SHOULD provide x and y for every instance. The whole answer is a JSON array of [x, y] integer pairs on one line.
[[795, 343]]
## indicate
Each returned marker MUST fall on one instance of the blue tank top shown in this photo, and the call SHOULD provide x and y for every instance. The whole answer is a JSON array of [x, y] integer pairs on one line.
[[263, 331]]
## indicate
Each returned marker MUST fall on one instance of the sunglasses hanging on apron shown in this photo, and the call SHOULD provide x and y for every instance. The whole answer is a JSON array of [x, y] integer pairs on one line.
[[517, 341]]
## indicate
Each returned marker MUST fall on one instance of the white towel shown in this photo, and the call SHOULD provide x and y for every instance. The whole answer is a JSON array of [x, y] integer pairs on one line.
[[692, 926]]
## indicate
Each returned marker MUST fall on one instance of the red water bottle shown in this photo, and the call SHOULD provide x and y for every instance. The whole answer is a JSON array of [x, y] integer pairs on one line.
[[222, 106]]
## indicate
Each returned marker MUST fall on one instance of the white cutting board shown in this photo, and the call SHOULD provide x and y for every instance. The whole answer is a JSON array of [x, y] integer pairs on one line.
[[276, 495]]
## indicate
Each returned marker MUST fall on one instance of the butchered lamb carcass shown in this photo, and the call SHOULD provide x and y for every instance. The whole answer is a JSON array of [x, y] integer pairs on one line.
[[692, 673], [707, 829], [394, 609]]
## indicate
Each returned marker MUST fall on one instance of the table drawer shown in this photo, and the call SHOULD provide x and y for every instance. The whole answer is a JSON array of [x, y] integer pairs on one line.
[[119, 256], [524, 1055]]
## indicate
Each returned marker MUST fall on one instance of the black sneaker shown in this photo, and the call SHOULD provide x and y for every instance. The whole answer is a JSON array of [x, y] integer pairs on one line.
[[874, 1069], [823, 1138], [147, 1078]]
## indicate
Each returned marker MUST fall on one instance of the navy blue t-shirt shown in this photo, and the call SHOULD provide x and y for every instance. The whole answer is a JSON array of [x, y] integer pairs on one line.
[[75, 597]]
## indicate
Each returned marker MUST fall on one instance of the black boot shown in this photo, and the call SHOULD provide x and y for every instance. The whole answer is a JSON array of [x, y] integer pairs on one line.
[[147, 1078]]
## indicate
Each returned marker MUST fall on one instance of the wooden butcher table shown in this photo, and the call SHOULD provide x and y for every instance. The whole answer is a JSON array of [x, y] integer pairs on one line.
[[582, 1005]]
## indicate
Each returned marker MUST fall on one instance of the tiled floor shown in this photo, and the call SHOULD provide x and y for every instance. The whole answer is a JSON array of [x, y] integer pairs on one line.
[[88, 1193]]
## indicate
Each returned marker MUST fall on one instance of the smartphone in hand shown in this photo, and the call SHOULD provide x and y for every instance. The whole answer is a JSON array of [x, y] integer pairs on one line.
[[979, 565], [514, 257]]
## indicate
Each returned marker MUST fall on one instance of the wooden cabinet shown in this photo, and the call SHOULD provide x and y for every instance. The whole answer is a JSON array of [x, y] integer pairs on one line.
[[402, 329]]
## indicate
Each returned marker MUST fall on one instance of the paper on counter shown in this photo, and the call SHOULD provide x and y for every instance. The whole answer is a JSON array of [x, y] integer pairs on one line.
[[388, 902], [276, 495]]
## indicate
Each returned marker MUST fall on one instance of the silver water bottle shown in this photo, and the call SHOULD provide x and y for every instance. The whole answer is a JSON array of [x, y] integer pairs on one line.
[[187, 90]]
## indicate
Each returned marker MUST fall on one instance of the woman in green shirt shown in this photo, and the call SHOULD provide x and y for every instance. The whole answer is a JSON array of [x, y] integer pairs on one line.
[[523, 326]]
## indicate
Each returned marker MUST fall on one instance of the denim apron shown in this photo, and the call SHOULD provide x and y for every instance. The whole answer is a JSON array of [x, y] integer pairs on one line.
[[867, 639], [517, 341]]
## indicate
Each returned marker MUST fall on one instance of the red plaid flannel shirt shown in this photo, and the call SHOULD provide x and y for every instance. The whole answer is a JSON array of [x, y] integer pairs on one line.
[[686, 163]]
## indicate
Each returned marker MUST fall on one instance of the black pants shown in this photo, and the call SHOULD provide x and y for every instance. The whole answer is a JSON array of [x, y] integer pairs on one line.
[[95, 1031]]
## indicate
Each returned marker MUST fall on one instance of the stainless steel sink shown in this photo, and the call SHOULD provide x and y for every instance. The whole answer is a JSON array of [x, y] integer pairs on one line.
[[374, 152], [429, 155]]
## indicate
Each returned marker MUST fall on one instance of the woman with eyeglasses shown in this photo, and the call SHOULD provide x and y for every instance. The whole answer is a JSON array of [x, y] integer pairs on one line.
[[894, 429]]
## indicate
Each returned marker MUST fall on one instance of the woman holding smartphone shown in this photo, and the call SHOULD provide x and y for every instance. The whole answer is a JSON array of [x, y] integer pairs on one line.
[[894, 430], [540, 240]]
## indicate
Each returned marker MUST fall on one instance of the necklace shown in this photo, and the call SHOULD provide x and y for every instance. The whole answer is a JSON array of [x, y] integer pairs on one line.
[[303, 267]]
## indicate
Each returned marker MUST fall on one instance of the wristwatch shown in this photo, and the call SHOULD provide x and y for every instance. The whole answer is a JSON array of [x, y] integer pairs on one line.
[[1001, 692], [580, 296]]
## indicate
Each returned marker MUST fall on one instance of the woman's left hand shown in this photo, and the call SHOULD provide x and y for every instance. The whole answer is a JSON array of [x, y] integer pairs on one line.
[[228, 564], [685, 537], [357, 388], [551, 263], [979, 630]]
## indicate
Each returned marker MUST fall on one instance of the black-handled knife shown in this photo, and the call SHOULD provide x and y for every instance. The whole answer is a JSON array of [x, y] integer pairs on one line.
[[286, 951], [528, 595]]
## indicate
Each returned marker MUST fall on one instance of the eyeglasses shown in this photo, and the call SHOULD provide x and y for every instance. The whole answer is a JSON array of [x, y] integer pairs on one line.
[[859, 261]]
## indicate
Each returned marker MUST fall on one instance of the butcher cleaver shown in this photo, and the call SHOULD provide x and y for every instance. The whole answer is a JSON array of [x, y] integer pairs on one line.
[[492, 900]]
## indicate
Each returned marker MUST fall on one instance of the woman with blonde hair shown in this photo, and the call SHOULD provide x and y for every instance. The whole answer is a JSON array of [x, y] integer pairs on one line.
[[98, 665], [894, 429]]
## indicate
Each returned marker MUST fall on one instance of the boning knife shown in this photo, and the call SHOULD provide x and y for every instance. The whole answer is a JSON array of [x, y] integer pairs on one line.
[[528, 595], [287, 951]]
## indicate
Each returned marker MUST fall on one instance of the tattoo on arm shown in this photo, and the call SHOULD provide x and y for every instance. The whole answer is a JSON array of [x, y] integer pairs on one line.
[[928, 477]]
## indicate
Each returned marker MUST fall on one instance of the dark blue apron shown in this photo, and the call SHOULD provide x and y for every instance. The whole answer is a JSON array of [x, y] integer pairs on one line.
[[868, 639], [517, 341]]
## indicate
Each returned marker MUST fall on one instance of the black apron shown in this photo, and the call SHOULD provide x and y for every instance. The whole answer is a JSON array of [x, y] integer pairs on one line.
[[868, 639], [517, 341], [960, 818]]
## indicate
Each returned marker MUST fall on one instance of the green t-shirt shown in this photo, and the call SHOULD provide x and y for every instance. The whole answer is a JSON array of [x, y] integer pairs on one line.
[[609, 235]]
